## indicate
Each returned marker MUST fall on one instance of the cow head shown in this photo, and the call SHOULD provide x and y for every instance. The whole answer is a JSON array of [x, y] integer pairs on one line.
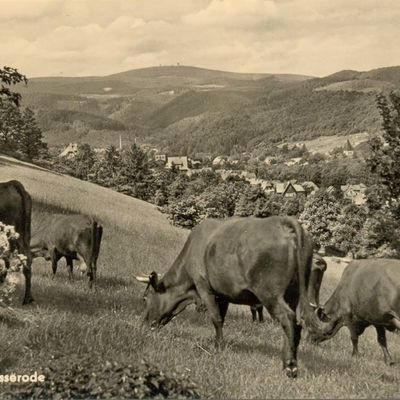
[[330, 325], [162, 304]]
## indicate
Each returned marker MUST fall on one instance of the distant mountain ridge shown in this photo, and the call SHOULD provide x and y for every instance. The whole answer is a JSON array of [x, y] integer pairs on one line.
[[184, 109]]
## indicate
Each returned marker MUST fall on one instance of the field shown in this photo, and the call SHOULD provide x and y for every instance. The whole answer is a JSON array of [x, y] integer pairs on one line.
[[68, 319], [325, 144]]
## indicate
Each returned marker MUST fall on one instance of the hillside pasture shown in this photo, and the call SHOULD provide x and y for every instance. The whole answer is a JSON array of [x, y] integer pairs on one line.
[[325, 144], [68, 319]]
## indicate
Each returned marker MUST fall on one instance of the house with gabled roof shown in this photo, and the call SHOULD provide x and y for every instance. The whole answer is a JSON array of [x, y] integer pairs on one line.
[[289, 189], [70, 151]]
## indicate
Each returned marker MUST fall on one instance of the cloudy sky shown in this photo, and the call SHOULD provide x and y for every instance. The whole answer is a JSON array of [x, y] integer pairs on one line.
[[99, 37]]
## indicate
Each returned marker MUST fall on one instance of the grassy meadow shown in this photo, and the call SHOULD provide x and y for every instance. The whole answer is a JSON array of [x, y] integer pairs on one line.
[[68, 319]]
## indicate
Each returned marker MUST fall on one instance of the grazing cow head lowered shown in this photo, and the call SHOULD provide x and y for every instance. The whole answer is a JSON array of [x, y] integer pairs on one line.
[[367, 294], [246, 261], [162, 305], [75, 237]]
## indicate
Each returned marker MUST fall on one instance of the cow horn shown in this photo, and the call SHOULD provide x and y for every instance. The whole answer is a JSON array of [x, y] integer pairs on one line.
[[144, 279], [313, 305]]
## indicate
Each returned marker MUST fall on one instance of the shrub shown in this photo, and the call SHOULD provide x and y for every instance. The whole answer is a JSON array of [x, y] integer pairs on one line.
[[80, 377]]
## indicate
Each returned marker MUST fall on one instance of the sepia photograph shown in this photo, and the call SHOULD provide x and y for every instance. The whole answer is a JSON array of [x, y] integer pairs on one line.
[[199, 199]]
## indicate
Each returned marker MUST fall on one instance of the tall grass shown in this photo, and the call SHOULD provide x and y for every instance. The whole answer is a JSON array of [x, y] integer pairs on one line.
[[69, 319]]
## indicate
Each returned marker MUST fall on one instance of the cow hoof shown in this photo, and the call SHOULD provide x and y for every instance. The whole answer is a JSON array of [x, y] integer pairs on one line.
[[389, 363], [291, 372], [28, 301]]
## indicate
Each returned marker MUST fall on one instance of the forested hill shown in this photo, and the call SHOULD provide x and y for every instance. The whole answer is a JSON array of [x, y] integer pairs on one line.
[[188, 110]]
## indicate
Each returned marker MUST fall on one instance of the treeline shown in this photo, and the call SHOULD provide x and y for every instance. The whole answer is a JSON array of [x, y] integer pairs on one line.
[[68, 119], [295, 113], [19, 133]]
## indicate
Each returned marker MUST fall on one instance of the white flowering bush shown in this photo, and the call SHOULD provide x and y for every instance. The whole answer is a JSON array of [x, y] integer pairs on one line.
[[9, 277]]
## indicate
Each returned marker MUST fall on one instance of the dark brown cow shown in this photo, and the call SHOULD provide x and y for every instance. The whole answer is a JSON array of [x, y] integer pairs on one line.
[[318, 269], [368, 294], [243, 261], [16, 209], [75, 237]]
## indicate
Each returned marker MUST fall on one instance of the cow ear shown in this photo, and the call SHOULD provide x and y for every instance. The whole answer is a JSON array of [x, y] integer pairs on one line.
[[155, 282], [321, 264], [321, 314]]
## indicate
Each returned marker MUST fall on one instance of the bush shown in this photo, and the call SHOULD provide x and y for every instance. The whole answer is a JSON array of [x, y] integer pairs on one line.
[[185, 213], [84, 378]]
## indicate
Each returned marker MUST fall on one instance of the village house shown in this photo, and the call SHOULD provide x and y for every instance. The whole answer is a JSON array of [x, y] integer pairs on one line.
[[289, 189], [355, 193], [348, 149], [195, 164], [161, 158], [70, 151], [219, 160], [179, 162]]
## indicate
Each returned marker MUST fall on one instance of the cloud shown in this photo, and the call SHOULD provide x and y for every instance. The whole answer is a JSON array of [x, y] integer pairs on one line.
[[88, 37], [234, 14], [28, 9]]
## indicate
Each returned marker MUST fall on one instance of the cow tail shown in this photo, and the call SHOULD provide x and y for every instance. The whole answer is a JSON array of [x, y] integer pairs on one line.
[[93, 243], [96, 233], [304, 262], [26, 217]]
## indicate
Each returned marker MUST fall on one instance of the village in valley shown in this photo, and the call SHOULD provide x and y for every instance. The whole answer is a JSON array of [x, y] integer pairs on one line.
[[231, 167]]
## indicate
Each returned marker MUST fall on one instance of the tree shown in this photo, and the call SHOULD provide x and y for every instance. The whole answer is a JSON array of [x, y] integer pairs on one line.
[[292, 206], [135, 173], [110, 168], [346, 232], [384, 158], [10, 76], [320, 215], [379, 237], [84, 161], [249, 199], [30, 139], [10, 125]]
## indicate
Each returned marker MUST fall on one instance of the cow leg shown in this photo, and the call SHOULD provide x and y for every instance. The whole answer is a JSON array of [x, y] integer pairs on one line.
[[280, 310], [354, 339], [55, 257], [70, 266], [223, 308], [216, 310], [381, 336], [91, 269], [356, 329], [27, 271], [257, 309], [260, 314], [253, 310]]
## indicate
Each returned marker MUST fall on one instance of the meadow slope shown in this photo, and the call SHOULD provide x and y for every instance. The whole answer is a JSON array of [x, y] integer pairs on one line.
[[69, 319]]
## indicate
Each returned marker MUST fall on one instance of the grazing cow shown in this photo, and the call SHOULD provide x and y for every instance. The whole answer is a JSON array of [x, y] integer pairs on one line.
[[317, 272], [368, 294], [75, 237], [244, 261], [16, 209]]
